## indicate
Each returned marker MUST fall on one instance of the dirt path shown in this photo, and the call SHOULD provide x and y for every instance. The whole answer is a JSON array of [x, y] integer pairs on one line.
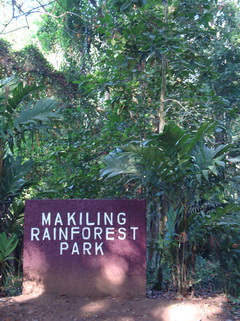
[[58, 308]]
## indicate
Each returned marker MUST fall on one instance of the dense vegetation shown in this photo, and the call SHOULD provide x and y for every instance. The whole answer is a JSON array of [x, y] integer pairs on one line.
[[148, 93]]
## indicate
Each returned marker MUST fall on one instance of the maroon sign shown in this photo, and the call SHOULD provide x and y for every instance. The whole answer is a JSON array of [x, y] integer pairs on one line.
[[85, 247]]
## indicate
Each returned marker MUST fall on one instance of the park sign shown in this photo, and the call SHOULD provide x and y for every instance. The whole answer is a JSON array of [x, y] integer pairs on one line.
[[85, 247]]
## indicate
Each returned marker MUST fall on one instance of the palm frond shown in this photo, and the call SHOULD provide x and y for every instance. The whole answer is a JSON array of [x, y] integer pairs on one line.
[[12, 180], [7, 85], [119, 164], [19, 93], [31, 115]]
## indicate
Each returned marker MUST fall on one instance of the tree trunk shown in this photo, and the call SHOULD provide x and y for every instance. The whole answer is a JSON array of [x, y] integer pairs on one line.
[[178, 271], [193, 258], [153, 229], [161, 111], [161, 116]]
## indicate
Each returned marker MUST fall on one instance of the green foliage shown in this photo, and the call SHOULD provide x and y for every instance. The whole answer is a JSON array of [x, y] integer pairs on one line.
[[12, 177], [19, 116], [183, 171], [13, 284], [30, 116], [7, 246], [168, 157]]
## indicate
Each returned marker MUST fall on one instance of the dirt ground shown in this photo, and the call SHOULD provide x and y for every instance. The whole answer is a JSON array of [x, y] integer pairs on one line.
[[155, 308]]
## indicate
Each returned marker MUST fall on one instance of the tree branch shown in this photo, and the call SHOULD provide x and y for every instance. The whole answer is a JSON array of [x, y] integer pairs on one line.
[[175, 101], [22, 14], [4, 33]]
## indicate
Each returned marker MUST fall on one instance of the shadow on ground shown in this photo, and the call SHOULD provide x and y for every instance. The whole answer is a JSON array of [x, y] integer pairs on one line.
[[56, 308]]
